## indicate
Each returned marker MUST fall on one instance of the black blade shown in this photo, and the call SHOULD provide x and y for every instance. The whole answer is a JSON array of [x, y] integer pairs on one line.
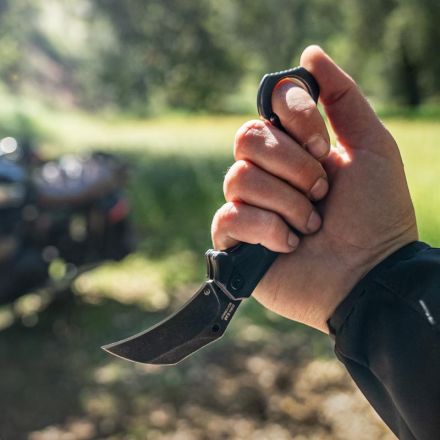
[[236, 270], [202, 320]]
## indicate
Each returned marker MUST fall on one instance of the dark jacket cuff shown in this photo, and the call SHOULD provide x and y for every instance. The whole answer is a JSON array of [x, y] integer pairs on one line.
[[336, 321]]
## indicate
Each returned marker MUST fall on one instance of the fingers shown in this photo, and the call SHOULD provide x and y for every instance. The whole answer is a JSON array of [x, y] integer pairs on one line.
[[352, 118], [247, 183], [235, 222], [269, 188], [300, 117], [276, 153]]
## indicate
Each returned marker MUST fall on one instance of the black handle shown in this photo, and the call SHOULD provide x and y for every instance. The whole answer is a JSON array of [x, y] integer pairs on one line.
[[270, 80], [238, 270]]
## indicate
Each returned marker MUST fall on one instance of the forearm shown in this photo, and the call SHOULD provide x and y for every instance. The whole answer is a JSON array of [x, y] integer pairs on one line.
[[388, 336]]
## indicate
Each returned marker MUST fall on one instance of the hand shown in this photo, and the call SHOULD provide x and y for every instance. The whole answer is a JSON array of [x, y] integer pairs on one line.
[[367, 211]]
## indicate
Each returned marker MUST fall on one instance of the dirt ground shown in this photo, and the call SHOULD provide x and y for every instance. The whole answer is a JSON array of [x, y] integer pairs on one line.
[[266, 379]]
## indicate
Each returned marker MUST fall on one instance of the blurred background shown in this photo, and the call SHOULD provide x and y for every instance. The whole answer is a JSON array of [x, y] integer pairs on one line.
[[163, 85]]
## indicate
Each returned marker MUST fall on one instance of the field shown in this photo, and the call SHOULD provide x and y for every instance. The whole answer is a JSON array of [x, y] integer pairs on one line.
[[268, 378]]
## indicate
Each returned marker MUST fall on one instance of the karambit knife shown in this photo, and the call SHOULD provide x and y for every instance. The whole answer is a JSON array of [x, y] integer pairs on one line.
[[233, 274]]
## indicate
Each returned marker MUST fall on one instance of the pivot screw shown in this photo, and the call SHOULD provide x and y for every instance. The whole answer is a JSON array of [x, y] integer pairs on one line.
[[237, 282]]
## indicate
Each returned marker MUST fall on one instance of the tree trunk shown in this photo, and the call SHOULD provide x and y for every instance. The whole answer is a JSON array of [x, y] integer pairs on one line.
[[409, 76]]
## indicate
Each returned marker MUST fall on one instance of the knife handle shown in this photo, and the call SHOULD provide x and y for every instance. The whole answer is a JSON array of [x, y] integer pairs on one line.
[[238, 270], [270, 80]]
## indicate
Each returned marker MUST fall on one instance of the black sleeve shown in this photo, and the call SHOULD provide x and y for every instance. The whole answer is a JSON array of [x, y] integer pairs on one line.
[[387, 334]]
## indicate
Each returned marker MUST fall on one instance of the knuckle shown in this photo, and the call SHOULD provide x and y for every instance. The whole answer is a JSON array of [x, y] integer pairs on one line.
[[273, 225], [316, 169], [220, 225], [305, 213], [215, 226], [246, 136], [222, 222], [225, 216], [350, 87], [299, 210], [308, 172], [240, 173]]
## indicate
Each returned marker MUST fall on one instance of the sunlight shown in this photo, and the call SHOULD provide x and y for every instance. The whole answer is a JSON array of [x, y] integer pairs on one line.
[[342, 153]]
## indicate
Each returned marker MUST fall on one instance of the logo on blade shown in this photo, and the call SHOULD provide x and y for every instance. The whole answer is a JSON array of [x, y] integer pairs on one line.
[[228, 312]]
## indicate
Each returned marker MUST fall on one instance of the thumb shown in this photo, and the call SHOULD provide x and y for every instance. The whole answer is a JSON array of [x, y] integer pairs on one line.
[[354, 122]]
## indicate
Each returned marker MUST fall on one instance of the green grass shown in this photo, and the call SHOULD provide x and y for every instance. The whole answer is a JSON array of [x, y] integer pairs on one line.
[[56, 378], [200, 148], [419, 143], [178, 166]]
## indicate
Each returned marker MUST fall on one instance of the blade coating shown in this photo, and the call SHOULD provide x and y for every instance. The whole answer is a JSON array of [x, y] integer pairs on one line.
[[197, 323]]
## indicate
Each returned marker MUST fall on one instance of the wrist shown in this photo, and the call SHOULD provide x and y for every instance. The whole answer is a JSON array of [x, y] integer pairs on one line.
[[346, 280], [383, 271], [319, 293], [308, 284]]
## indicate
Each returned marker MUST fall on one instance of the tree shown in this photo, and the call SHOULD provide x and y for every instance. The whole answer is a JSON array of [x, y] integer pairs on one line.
[[16, 29], [167, 49], [402, 37]]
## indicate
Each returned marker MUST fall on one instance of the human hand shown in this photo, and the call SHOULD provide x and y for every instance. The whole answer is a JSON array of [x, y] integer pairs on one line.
[[360, 186]]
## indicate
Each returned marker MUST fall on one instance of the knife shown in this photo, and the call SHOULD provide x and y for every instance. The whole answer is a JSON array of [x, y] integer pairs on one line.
[[232, 275]]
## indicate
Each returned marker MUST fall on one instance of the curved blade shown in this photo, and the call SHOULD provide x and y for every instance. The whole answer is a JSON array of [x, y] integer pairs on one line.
[[202, 320]]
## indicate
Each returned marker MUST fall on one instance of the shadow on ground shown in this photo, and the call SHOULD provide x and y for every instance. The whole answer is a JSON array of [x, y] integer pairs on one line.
[[257, 382]]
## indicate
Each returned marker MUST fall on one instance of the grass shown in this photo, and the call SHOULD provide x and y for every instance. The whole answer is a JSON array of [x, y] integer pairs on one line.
[[419, 141], [173, 150], [183, 159], [258, 379]]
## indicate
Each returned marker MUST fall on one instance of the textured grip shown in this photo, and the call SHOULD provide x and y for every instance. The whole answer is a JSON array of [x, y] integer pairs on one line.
[[238, 270]]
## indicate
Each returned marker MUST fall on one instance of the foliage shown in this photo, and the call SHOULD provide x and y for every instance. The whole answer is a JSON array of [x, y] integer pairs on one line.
[[21, 127], [164, 53], [179, 164], [150, 56], [15, 35], [400, 37]]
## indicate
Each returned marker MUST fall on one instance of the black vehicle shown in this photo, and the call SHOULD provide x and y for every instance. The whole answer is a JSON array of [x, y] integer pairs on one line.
[[71, 210]]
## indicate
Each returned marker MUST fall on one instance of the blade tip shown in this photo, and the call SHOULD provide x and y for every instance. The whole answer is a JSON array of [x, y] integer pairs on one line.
[[106, 348]]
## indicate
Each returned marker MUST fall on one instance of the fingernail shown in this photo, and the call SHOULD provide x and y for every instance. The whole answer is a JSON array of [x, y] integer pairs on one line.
[[292, 240], [318, 147], [314, 222], [319, 189]]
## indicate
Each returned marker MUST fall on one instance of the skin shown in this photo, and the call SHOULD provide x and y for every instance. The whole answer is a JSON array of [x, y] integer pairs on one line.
[[350, 202]]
